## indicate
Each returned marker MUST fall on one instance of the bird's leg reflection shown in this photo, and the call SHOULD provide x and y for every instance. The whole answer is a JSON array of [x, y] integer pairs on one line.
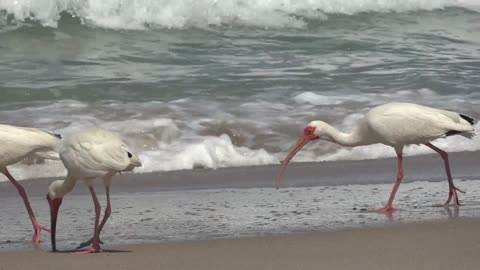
[[452, 214]]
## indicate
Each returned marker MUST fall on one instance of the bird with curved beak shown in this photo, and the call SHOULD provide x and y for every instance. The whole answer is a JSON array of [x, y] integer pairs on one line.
[[19, 143], [87, 155], [395, 125]]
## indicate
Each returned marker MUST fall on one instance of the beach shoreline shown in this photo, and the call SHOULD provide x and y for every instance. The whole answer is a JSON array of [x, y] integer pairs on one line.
[[212, 96], [235, 203], [431, 245], [299, 174]]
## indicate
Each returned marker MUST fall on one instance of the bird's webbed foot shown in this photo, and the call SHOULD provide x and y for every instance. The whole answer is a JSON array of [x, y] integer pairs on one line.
[[452, 195], [37, 233]]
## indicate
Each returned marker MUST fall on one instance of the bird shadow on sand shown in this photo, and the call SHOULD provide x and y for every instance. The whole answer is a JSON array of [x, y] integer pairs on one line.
[[79, 251]]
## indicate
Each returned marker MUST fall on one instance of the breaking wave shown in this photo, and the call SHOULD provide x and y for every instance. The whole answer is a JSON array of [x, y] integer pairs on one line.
[[228, 136], [143, 14]]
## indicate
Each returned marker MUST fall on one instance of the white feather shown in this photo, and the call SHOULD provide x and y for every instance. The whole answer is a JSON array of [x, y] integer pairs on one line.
[[21, 142], [92, 153], [405, 123]]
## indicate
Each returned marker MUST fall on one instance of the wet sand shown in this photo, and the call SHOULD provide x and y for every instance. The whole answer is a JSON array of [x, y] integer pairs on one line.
[[238, 203], [242, 202], [445, 245]]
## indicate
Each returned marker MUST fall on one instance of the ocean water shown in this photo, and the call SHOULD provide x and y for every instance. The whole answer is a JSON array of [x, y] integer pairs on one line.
[[209, 84]]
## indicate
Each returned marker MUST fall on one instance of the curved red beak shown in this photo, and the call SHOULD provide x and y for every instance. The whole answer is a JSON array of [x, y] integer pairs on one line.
[[304, 139], [54, 206]]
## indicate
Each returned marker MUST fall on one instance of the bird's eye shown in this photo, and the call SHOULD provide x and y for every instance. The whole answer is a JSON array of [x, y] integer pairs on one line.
[[129, 155]]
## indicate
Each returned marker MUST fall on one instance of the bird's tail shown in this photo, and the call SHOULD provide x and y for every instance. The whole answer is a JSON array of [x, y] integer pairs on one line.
[[469, 134], [469, 119]]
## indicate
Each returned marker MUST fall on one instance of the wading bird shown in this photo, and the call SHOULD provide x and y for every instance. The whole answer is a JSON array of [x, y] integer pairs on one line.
[[89, 154], [19, 143], [395, 125]]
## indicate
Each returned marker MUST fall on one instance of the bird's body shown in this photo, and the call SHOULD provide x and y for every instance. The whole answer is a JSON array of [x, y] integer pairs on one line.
[[18, 143], [87, 155], [399, 124], [94, 153], [395, 125]]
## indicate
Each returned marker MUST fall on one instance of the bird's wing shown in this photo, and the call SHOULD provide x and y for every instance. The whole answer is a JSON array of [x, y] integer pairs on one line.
[[94, 153], [19, 142], [110, 155], [458, 121], [412, 124]]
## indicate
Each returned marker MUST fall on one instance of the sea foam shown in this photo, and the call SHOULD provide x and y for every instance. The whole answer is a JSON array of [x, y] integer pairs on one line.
[[254, 132], [142, 14]]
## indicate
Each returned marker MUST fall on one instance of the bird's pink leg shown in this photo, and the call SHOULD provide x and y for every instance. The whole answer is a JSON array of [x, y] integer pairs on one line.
[[388, 207], [108, 210], [106, 215], [36, 226], [96, 234], [452, 194]]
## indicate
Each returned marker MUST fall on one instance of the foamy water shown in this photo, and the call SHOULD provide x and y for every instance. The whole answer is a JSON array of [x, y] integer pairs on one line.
[[212, 84], [141, 14], [188, 141]]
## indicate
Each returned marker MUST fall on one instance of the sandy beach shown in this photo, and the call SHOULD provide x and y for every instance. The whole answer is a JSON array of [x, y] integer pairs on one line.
[[237, 203], [444, 245], [212, 96], [235, 219]]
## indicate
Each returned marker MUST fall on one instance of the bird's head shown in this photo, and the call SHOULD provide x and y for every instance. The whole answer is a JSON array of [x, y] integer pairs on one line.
[[134, 160], [313, 131], [54, 198]]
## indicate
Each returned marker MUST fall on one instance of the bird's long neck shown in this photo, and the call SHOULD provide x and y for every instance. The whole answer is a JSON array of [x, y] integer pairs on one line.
[[354, 138], [60, 188]]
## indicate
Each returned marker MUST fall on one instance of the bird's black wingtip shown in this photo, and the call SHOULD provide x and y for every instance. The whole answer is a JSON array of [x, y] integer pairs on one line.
[[468, 119]]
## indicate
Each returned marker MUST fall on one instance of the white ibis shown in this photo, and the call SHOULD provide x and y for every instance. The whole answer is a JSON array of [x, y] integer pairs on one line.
[[19, 143], [395, 125], [89, 154]]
